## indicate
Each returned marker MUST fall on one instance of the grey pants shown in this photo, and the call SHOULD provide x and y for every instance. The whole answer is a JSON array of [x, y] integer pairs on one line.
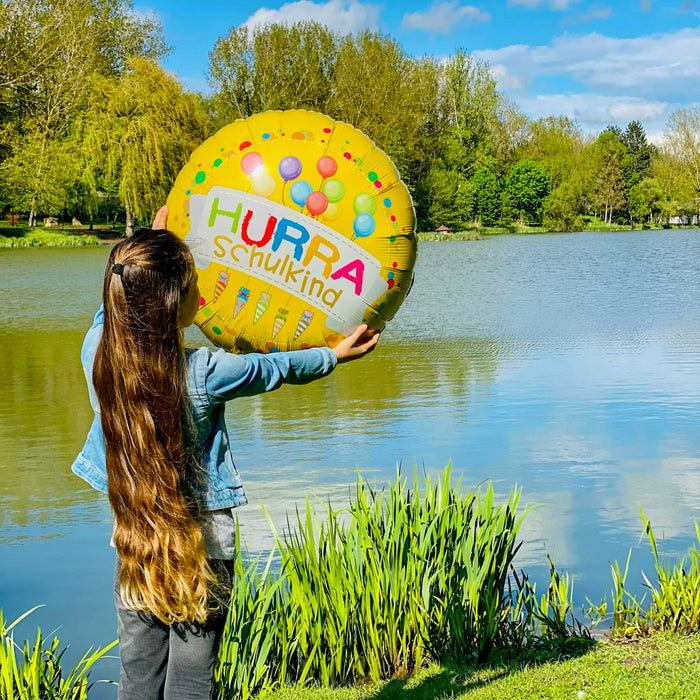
[[167, 662]]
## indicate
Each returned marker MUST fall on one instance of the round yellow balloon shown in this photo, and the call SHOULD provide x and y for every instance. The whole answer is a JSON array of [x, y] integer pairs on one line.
[[301, 230]]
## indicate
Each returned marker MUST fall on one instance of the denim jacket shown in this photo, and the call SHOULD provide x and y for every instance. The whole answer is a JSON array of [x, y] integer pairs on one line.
[[213, 378]]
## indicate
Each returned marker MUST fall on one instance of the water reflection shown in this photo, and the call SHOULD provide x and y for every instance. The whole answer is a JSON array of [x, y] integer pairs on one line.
[[565, 364]]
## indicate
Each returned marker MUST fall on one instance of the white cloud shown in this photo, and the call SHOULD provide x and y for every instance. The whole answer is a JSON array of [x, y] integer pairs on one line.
[[505, 79], [337, 15], [442, 17], [554, 4], [659, 66], [641, 110], [595, 111], [593, 14]]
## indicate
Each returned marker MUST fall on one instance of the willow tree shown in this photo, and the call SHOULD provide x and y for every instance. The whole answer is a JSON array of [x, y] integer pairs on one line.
[[49, 52], [138, 133]]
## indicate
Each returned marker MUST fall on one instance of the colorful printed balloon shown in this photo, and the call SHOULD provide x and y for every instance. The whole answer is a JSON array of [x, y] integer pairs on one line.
[[326, 166], [301, 230], [316, 203], [299, 191], [290, 168]]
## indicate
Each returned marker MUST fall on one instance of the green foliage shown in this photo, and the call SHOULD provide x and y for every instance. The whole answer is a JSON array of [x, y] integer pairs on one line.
[[674, 596], [47, 239], [138, 133], [50, 53], [638, 205], [635, 140], [450, 198], [376, 590], [34, 671], [654, 196], [486, 197], [610, 170], [526, 186], [682, 139], [470, 103], [562, 207], [273, 67]]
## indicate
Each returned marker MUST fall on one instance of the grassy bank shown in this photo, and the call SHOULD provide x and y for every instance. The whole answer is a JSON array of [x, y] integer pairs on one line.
[[477, 233], [67, 236], [660, 668]]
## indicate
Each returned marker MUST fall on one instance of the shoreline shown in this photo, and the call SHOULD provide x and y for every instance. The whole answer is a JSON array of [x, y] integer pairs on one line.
[[41, 237]]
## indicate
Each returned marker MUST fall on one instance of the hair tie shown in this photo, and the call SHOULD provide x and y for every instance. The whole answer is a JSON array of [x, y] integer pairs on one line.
[[117, 269]]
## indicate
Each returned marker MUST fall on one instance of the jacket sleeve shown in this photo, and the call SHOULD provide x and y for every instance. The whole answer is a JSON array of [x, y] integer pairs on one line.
[[87, 355], [229, 376]]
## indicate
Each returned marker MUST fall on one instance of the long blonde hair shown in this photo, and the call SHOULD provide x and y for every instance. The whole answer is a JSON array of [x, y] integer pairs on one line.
[[139, 376]]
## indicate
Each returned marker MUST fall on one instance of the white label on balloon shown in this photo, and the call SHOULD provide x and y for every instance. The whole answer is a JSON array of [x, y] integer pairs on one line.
[[285, 248]]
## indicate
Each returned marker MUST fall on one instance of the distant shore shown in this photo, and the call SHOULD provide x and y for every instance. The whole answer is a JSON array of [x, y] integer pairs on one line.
[[76, 236]]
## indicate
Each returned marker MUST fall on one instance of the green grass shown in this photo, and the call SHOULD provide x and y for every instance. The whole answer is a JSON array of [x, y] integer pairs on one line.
[[660, 668], [466, 235], [589, 223], [27, 238]]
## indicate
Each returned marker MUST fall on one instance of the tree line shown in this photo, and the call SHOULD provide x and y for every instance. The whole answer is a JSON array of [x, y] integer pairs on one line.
[[90, 122]]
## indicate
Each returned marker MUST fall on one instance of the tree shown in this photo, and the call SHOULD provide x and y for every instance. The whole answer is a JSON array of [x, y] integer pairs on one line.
[[526, 187], [275, 66], [635, 140], [50, 52], [654, 195], [682, 136], [609, 162], [561, 209], [637, 204], [471, 104], [486, 197], [450, 198], [556, 143], [138, 133]]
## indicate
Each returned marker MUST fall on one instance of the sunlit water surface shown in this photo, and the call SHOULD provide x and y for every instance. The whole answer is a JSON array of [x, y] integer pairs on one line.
[[568, 365]]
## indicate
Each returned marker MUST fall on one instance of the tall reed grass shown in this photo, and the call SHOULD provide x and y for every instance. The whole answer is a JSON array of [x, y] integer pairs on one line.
[[375, 590], [672, 600], [34, 671]]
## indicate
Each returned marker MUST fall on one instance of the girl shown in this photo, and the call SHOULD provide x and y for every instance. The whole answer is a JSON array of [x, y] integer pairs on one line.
[[159, 446]]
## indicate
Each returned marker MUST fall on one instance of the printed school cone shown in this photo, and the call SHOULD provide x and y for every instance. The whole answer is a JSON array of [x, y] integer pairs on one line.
[[261, 306], [280, 320], [303, 323], [241, 300], [221, 283]]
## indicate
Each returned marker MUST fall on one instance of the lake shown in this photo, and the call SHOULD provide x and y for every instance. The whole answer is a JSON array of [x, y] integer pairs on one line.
[[566, 364]]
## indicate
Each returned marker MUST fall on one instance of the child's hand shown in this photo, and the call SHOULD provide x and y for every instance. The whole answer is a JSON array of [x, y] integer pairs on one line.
[[355, 345], [161, 219]]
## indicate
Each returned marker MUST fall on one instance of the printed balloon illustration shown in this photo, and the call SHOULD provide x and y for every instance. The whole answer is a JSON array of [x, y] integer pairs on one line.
[[301, 230]]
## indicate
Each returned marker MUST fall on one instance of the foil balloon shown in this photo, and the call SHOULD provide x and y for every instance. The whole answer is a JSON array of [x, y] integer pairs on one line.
[[301, 230]]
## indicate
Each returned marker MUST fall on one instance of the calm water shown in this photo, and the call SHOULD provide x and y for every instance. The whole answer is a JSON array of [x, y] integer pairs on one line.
[[568, 365]]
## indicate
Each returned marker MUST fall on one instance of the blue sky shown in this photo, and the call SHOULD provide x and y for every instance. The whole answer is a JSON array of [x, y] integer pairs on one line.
[[598, 62]]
